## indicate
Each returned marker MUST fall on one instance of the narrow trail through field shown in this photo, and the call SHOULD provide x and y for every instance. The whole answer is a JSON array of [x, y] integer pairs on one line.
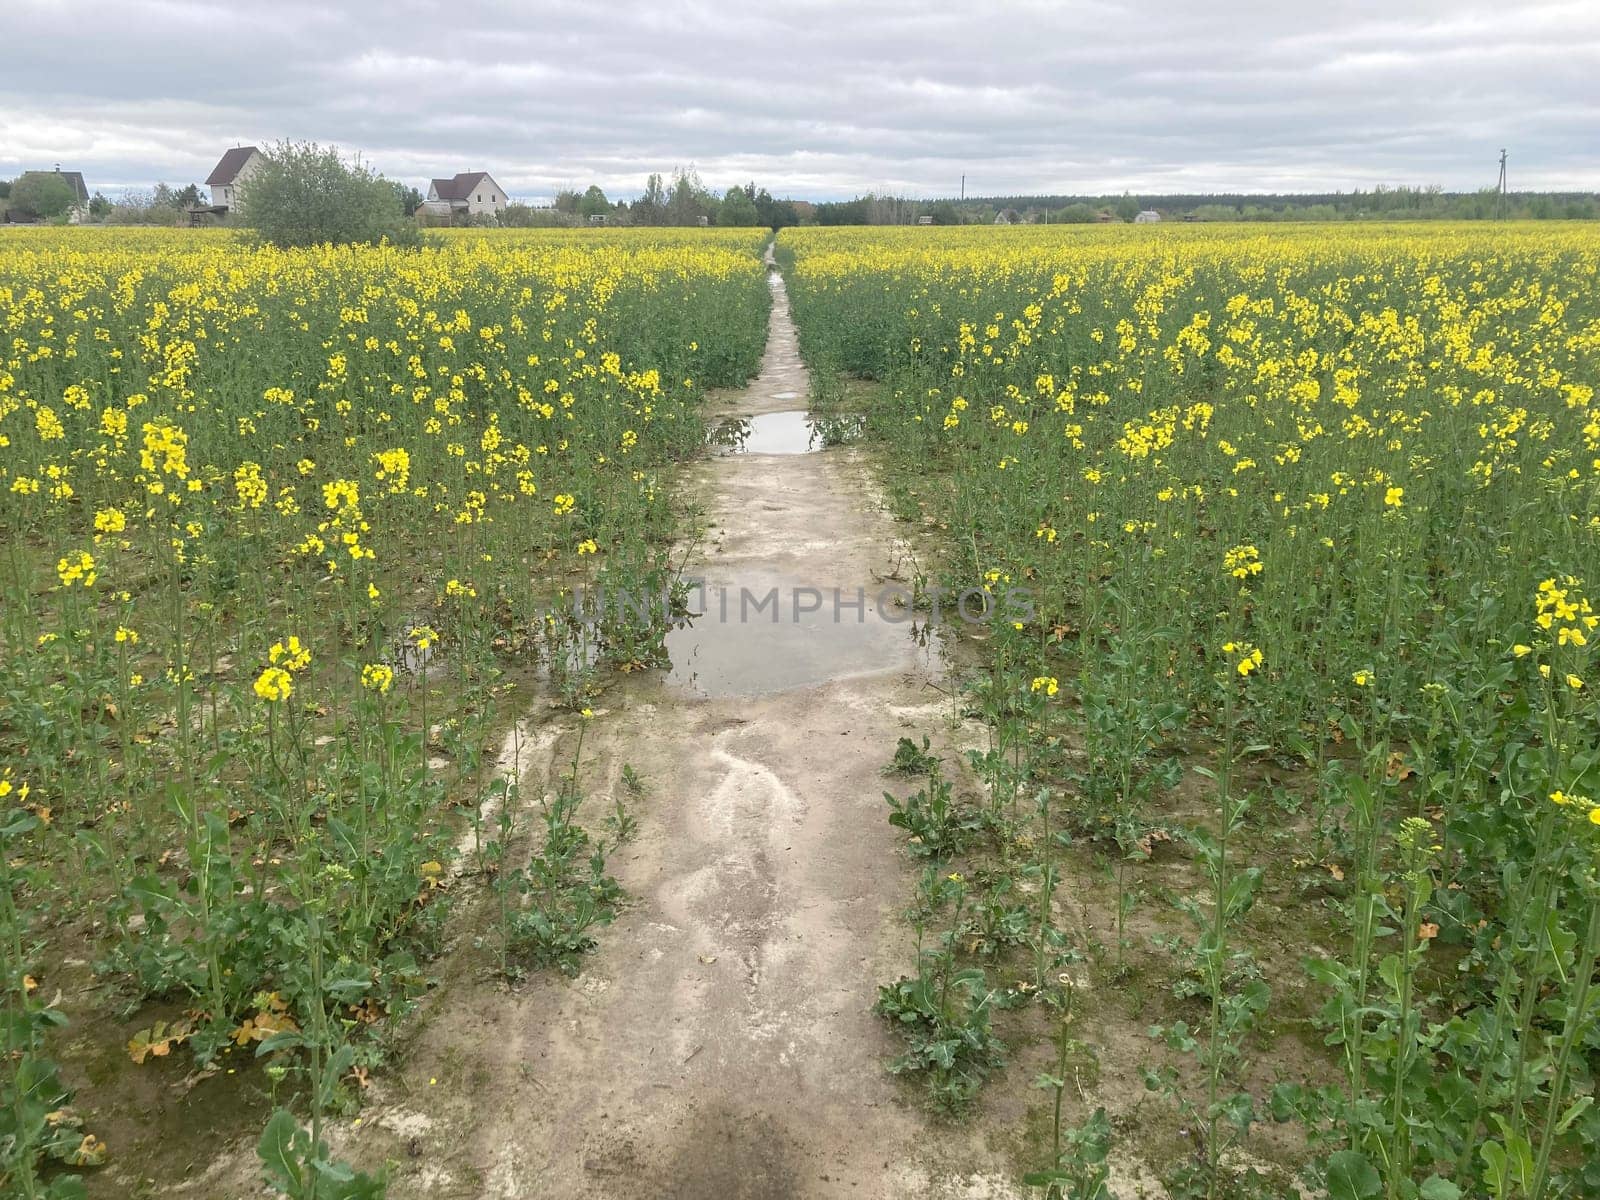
[[720, 1041]]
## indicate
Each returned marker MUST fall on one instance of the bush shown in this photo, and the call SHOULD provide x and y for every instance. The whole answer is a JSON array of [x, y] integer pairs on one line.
[[304, 194], [144, 208], [525, 216]]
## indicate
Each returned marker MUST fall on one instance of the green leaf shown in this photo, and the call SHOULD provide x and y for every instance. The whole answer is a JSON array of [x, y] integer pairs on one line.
[[278, 1150], [1576, 1110], [347, 989], [1352, 1177], [19, 822], [287, 1040], [1435, 1188]]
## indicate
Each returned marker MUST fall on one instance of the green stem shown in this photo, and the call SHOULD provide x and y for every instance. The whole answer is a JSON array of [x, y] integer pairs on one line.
[[1577, 1020]]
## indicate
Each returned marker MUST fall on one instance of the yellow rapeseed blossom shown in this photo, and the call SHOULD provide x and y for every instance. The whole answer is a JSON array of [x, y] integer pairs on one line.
[[77, 568], [289, 654], [274, 684]]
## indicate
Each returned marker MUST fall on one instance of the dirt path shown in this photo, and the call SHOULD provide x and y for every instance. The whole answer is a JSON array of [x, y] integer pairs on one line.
[[720, 1042]]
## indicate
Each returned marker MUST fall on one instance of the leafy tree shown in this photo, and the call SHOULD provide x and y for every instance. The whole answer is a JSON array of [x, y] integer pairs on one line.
[[1075, 214], [190, 197], [567, 201], [41, 194], [944, 212], [304, 194], [690, 200], [1127, 207], [651, 208], [594, 203], [845, 212], [737, 208], [99, 206], [410, 198], [775, 214], [5, 189]]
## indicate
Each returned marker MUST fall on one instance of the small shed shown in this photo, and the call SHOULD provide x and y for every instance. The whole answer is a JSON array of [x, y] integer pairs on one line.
[[1148, 217]]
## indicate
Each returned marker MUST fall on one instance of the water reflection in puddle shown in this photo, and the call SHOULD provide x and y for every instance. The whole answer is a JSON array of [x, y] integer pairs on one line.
[[768, 433], [735, 647]]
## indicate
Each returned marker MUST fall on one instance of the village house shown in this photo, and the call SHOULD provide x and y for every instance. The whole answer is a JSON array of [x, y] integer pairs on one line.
[[1148, 217], [471, 193], [232, 170]]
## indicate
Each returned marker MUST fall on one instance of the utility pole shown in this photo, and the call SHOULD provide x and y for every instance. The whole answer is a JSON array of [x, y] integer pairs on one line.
[[1500, 201], [963, 186]]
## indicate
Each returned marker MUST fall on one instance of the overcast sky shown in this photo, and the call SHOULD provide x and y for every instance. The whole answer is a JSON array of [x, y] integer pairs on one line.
[[817, 99]]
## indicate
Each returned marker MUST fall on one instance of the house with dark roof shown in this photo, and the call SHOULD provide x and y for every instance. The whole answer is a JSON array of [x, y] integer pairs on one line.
[[74, 180], [468, 194], [232, 170]]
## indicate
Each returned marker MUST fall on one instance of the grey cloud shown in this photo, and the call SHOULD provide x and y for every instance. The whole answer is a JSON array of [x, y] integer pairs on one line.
[[818, 98]]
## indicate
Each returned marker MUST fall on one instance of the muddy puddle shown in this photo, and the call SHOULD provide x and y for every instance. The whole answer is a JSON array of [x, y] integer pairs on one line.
[[767, 433], [763, 633]]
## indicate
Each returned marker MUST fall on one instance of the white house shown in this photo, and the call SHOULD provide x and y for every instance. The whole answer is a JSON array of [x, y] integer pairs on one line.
[[235, 167], [1148, 217], [470, 193]]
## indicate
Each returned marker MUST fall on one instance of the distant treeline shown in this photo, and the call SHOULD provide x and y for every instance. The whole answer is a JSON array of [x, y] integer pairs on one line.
[[1382, 203]]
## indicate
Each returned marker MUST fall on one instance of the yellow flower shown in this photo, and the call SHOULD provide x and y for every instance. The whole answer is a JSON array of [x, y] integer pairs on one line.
[[1519, 649], [290, 655], [1046, 684], [377, 677], [1248, 657], [274, 684], [77, 568], [1361, 678], [1393, 497], [1242, 562]]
